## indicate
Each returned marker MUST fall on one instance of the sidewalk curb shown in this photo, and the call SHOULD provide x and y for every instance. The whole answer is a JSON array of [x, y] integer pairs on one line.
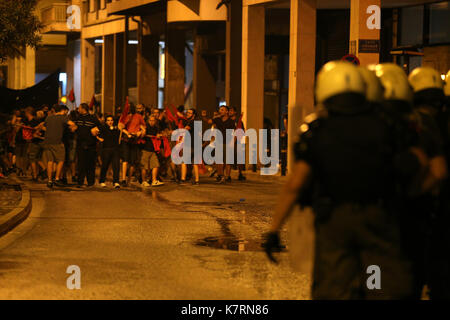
[[19, 214]]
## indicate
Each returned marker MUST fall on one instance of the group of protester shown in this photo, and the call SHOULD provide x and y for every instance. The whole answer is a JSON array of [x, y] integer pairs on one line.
[[54, 144]]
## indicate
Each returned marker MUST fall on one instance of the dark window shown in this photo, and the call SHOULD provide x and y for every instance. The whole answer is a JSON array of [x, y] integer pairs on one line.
[[411, 26], [439, 22]]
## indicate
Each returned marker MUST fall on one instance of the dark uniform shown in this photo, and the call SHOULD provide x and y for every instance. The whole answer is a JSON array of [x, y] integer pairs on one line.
[[433, 116], [86, 148], [352, 186], [411, 205]]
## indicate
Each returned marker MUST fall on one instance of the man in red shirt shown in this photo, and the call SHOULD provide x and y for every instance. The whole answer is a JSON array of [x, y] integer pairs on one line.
[[132, 135]]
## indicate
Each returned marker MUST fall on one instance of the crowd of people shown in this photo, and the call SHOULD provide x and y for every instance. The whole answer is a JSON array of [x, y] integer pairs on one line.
[[63, 147]]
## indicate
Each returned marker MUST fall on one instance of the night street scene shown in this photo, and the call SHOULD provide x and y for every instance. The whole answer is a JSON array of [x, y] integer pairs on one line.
[[231, 157]]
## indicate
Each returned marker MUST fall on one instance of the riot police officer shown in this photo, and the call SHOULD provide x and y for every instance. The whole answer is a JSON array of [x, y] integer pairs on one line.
[[397, 111], [430, 106], [347, 159], [374, 89]]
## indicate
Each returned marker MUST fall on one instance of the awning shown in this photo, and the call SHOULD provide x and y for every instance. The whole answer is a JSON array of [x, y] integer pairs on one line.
[[133, 7]]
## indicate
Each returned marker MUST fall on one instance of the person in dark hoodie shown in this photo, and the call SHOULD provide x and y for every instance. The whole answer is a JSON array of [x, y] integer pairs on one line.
[[110, 151], [88, 128]]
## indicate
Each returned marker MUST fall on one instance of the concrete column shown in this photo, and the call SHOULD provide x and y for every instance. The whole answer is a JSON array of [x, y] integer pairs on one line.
[[233, 56], [87, 70], [365, 21], [148, 63], [252, 94], [302, 52], [23, 71], [30, 65], [118, 99], [11, 73], [70, 71], [204, 82], [77, 70], [17, 73], [73, 69], [108, 74], [174, 67]]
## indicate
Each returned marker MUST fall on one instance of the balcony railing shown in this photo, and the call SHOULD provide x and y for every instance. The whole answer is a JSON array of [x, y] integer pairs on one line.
[[54, 18]]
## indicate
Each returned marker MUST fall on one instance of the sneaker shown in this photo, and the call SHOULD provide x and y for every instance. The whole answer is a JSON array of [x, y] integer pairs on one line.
[[195, 183], [59, 183], [116, 185], [123, 183], [50, 184], [241, 177], [157, 183], [145, 184], [221, 180], [182, 182], [228, 179], [103, 185]]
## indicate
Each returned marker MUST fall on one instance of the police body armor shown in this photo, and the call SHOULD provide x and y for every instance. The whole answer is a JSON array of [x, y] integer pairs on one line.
[[351, 158]]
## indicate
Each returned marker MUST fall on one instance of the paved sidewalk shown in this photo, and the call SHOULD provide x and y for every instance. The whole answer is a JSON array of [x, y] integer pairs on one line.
[[15, 204], [10, 195]]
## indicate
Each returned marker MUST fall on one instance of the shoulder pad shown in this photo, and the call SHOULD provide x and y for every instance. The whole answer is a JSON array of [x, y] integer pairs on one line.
[[312, 121], [302, 147]]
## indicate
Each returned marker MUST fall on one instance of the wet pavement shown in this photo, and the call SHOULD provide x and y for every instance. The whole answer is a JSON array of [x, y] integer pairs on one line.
[[169, 242]]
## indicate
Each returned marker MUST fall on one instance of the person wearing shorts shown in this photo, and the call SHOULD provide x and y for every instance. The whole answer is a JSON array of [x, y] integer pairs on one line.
[[34, 140], [149, 158], [54, 151], [133, 128], [191, 115]]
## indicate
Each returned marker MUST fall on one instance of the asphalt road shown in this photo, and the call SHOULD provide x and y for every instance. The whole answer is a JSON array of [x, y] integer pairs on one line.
[[170, 242]]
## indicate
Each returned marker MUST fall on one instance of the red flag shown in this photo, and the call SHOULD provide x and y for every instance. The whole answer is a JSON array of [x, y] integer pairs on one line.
[[167, 150], [179, 117], [239, 123], [71, 96], [170, 116], [125, 111], [92, 103], [27, 133]]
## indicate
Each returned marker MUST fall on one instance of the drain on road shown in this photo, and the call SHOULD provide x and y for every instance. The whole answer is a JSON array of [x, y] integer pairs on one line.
[[230, 243]]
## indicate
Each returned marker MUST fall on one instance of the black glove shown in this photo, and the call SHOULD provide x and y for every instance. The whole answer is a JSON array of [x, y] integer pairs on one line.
[[272, 244]]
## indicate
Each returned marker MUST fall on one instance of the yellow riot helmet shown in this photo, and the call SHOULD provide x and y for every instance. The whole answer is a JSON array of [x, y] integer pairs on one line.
[[337, 77], [395, 82], [374, 92], [423, 78]]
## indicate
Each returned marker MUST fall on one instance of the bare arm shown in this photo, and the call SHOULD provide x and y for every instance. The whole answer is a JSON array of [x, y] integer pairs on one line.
[[73, 127], [209, 121], [436, 174], [432, 172]]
